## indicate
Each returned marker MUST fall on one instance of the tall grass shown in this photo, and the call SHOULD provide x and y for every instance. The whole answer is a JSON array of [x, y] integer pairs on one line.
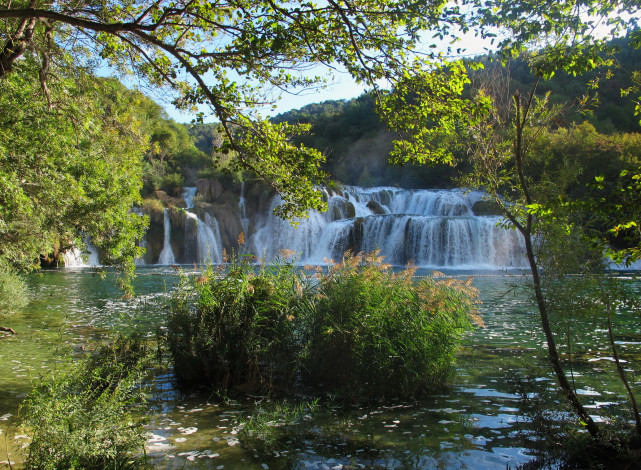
[[234, 327], [358, 329], [371, 333], [86, 418]]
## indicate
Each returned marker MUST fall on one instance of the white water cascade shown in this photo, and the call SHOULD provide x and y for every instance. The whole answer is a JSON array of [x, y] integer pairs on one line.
[[74, 258], [207, 243], [167, 253], [431, 228], [242, 210]]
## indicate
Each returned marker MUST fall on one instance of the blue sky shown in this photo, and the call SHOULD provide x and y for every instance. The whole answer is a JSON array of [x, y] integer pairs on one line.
[[343, 87], [341, 84]]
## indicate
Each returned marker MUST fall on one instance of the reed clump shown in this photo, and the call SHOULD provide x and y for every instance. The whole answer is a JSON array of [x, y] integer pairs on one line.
[[358, 330]]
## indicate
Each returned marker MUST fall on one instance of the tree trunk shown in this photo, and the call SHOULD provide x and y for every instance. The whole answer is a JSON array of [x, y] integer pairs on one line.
[[526, 232], [621, 371]]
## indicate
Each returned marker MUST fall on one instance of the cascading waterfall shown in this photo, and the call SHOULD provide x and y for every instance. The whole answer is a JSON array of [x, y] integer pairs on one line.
[[189, 193], [242, 210], [208, 245], [432, 228], [74, 258], [429, 228], [207, 240], [167, 253]]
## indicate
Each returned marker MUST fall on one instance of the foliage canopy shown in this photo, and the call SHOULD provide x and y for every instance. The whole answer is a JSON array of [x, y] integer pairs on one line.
[[70, 165], [231, 56]]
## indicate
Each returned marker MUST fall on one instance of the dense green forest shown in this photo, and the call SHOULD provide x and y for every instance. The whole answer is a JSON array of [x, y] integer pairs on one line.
[[356, 142]]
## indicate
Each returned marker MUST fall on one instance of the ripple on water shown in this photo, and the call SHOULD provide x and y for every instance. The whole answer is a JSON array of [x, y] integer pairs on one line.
[[474, 425]]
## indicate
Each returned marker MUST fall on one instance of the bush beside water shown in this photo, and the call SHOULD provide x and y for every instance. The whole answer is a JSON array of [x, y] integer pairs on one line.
[[234, 328], [357, 330], [371, 333], [86, 418], [14, 295]]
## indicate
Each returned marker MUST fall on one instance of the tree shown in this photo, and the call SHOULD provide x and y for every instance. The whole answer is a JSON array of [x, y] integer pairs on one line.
[[70, 166], [438, 112], [230, 55]]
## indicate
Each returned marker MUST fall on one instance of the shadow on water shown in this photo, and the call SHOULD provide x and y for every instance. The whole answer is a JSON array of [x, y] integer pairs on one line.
[[474, 424]]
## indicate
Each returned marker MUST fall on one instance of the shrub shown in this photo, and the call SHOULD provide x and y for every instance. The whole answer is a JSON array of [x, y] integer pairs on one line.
[[14, 295], [360, 330], [372, 333], [85, 418], [235, 328]]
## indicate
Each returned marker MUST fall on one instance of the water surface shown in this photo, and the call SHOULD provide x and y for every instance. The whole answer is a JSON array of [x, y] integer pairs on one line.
[[473, 424]]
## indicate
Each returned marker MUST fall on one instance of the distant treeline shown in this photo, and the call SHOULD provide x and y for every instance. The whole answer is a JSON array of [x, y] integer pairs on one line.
[[356, 143]]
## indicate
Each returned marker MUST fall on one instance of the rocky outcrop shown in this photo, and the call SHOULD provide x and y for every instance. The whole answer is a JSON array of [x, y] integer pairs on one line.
[[153, 208], [169, 201], [342, 209], [386, 197], [376, 208], [209, 190], [258, 198], [355, 237], [486, 207]]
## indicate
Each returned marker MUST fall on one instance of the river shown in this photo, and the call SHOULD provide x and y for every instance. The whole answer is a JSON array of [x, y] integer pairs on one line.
[[475, 423]]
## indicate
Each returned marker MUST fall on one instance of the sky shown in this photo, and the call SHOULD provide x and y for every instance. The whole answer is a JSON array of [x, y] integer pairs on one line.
[[341, 86]]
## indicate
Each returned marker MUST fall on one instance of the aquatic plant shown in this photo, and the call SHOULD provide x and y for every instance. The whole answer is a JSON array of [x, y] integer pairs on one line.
[[268, 429], [86, 418], [371, 332], [14, 294], [359, 330], [234, 328]]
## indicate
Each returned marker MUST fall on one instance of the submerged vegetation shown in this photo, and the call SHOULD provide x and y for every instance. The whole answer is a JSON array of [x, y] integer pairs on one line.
[[358, 330]]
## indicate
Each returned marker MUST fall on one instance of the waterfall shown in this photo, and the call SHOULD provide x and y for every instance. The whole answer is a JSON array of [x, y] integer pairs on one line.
[[208, 244], [74, 258], [188, 195], [202, 238], [275, 234], [430, 228], [242, 210], [167, 254]]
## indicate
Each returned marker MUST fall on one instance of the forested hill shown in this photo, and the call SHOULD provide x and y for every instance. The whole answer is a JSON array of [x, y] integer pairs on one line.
[[356, 142], [606, 109]]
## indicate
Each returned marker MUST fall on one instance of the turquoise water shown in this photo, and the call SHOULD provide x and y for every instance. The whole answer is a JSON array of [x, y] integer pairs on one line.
[[473, 424]]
